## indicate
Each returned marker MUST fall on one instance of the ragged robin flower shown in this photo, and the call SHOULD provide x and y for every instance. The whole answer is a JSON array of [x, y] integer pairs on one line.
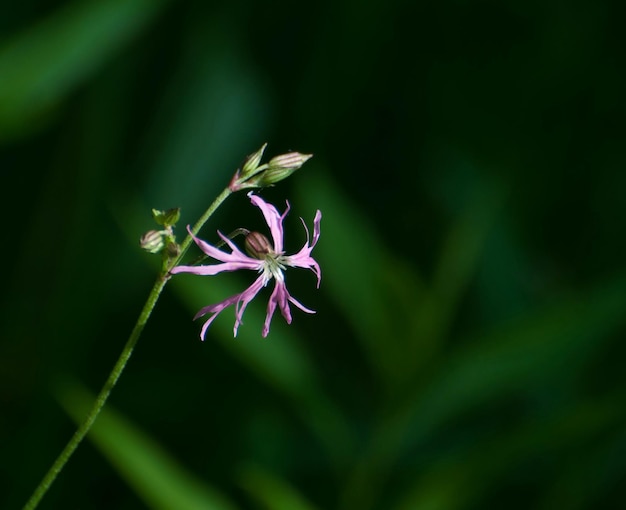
[[264, 257]]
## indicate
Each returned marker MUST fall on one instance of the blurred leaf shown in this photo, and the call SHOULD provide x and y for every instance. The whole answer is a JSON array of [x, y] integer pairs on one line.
[[592, 473], [382, 296], [270, 491], [456, 481], [457, 264], [41, 65], [429, 313], [444, 487], [523, 353], [357, 269], [160, 481], [278, 359], [214, 112]]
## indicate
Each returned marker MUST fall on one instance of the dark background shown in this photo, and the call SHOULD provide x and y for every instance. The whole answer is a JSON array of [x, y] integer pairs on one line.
[[468, 346]]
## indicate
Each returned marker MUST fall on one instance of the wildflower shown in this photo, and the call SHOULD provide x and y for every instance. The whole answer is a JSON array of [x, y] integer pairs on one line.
[[267, 258]]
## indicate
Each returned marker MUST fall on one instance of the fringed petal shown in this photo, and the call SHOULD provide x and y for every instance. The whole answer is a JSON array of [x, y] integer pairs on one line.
[[273, 219]]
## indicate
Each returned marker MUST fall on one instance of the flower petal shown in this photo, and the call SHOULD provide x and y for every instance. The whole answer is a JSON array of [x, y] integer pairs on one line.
[[222, 256], [231, 261], [304, 261], [217, 307], [273, 219], [216, 268], [245, 297], [280, 297], [316, 227], [206, 325], [233, 246], [271, 307], [300, 305], [239, 300], [303, 258], [211, 251]]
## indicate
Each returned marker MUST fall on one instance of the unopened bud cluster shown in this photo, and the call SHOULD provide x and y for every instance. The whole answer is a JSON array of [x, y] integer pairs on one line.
[[254, 175], [167, 218], [157, 241]]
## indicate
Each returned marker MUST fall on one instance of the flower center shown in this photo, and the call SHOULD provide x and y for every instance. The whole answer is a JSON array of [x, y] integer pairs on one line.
[[259, 247], [273, 266]]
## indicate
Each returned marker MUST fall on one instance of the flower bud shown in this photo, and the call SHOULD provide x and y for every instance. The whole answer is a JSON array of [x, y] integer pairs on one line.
[[166, 218], [152, 241], [252, 163], [289, 161], [257, 245], [280, 167]]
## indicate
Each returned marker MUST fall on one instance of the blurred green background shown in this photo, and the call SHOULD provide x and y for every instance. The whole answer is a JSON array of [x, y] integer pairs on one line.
[[468, 347]]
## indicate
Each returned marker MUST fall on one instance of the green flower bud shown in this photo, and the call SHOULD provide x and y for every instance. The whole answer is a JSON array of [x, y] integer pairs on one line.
[[257, 245], [251, 163], [152, 241], [166, 218], [290, 161], [280, 167]]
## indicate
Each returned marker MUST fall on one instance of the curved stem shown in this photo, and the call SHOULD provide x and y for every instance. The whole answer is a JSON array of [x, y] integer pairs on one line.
[[118, 368], [102, 397]]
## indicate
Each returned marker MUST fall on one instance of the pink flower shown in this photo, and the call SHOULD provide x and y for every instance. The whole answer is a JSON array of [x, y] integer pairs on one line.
[[267, 259]]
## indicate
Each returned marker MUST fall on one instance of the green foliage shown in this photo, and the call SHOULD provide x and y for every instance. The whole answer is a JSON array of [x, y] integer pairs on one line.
[[41, 66], [160, 481], [468, 343], [270, 491]]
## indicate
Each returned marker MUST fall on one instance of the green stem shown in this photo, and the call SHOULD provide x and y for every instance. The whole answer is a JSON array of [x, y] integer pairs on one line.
[[184, 246], [102, 397]]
